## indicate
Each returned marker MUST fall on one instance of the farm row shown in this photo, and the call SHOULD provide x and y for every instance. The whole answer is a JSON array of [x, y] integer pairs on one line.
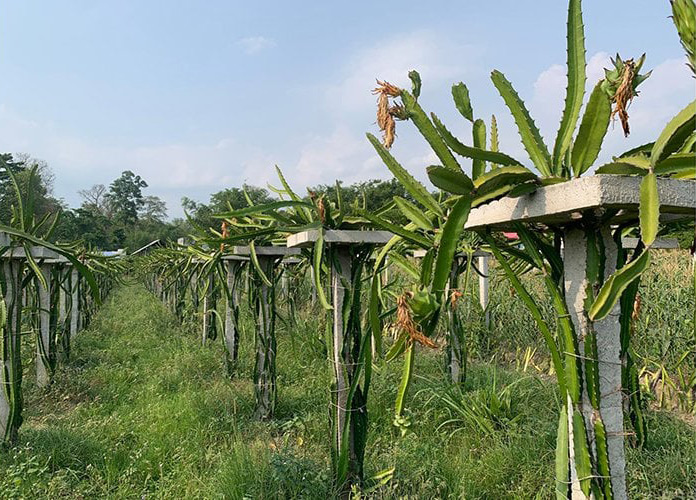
[[551, 220], [51, 294]]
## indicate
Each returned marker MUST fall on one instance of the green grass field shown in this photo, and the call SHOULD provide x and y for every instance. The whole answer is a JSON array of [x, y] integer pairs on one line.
[[144, 411]]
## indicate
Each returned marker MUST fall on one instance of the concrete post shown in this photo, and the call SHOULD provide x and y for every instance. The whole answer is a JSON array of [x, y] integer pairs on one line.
[[284, 281], [608, 334], [455, 350], [312, 287], [62, 300], [231, 328], [207, 315], [344, 371], [11, 373], [44, 351], [265, 367], [340, 357], [195, 297], [483, 289], [75, 301]]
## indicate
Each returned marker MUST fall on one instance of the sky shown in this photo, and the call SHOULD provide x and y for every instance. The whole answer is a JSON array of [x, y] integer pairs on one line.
[[198, 96]]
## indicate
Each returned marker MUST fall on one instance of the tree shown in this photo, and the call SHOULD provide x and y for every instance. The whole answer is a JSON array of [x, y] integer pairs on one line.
[[201, 214], [93, 198], [234, 198], [125, 198], [375, 194], [93, 228], [154, 209], [39, 184]]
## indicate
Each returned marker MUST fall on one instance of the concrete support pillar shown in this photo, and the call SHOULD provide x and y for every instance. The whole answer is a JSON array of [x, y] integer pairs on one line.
[[231, 317], [75, 301], [44, 347], [313, 287], [483, 288], [11, 373], [340, 357], [455, 350], [608, 339], [62, 299], [265, 366], [284, 281], [208, 315], [348, 413]]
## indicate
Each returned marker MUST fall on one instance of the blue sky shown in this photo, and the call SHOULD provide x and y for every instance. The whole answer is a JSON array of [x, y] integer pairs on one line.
[[197, 96]]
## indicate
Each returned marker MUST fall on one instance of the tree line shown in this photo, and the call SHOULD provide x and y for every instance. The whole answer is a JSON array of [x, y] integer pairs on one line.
[[123, 214]]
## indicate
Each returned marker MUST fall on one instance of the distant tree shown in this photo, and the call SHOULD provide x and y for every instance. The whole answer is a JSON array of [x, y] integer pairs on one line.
[[83, 224], [39, 184], [373, 194], [154, 209], [125, 198], [9, 162], [93, 198], [198, 214], [201, 214], [234, 198]]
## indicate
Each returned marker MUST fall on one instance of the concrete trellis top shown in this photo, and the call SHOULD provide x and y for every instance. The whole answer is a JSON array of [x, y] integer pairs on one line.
[[339, 237], [40, 253], [659, 243], [420, 253], [270, 251], [59, 260], [37, 252], [562, 202], [235, 258]]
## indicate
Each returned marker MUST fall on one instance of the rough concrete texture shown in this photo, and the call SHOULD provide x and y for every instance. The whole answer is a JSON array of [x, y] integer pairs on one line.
[[36, 253], [608, 333], [609, 363], [231, 336], [419, 254], [265, 250], [659, 243], [75, 301], [264, 368], [340, 282], [483, 288], [337, 237], [234, 258], [43, 347], [562, 202]]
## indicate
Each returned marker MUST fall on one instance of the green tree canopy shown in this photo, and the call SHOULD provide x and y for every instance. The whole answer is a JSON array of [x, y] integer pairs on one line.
[[125, 198]]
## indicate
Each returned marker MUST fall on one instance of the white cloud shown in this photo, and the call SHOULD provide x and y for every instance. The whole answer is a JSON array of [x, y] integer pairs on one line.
[[595, 68], [254, 44], [171, 170], [391, 59], [546, 105], [669, 89], [343, 152], [338, 151], [341, 155]]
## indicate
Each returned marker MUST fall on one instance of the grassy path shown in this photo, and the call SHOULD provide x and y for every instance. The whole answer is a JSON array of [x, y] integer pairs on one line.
[[143, 411]]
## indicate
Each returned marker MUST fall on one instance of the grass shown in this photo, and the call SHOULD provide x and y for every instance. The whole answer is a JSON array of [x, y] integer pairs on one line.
[[664, 330], [144, 411]]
